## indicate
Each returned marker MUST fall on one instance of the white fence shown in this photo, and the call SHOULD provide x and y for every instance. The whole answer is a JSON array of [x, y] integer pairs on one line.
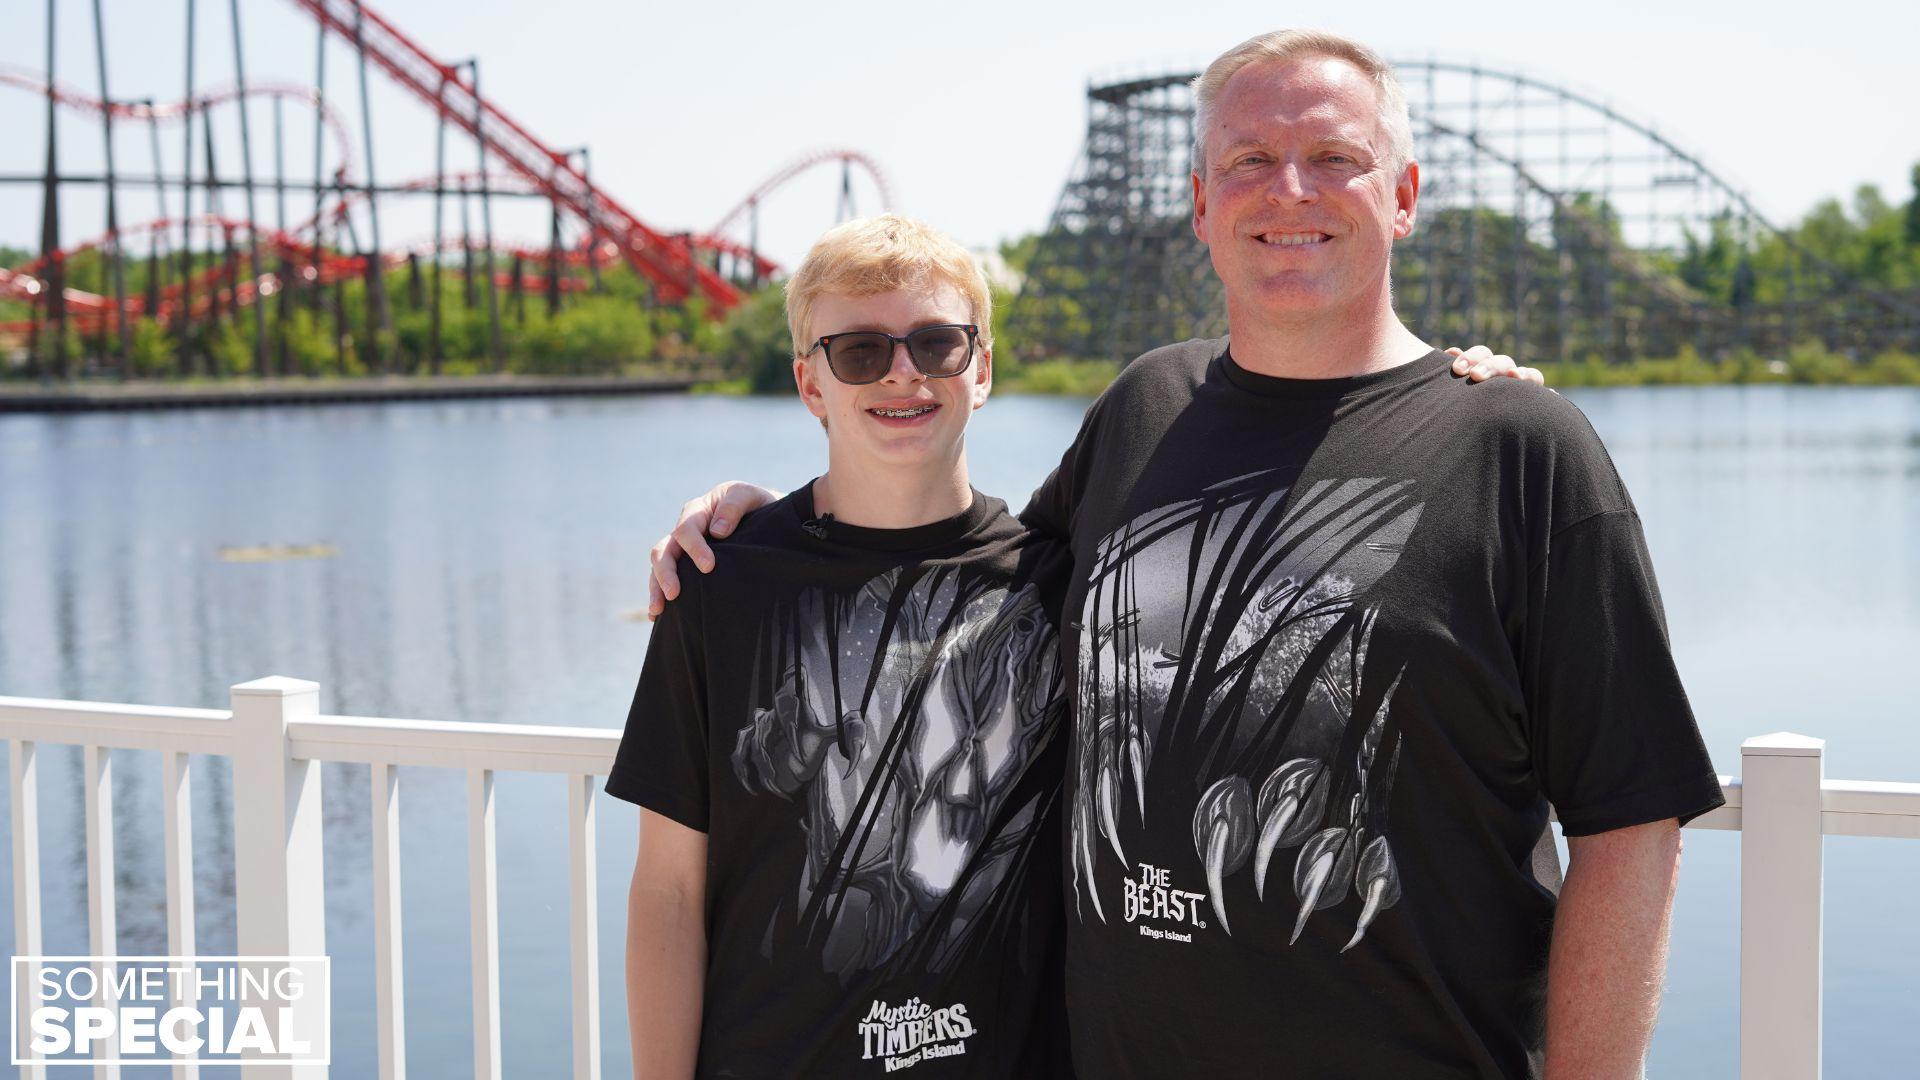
[[1782, 805], [276, 738]]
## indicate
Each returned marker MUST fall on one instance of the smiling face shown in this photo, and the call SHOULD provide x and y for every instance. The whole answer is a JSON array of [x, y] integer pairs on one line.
[[906, 420], [1297, 196]]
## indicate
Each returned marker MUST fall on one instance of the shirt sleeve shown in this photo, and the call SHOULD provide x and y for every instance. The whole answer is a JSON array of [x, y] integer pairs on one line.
[[662, 761], [1613, 739]]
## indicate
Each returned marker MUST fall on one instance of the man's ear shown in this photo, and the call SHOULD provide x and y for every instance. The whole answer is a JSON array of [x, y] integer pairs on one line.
[[1406, 198], [982, 377], [1199, 206]]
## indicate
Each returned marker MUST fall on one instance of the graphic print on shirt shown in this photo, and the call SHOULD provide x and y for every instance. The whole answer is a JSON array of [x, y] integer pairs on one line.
[[900, 719], [1224, 681]]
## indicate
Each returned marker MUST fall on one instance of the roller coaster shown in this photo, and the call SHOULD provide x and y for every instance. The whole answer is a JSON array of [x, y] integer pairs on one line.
[[1551, 223], [210, 265]]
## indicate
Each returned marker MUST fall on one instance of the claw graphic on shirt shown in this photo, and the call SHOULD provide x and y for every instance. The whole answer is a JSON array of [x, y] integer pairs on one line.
[[1231, 632]]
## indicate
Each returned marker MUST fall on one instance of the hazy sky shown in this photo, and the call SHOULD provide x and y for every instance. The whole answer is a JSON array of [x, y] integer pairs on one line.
[[975, 111]]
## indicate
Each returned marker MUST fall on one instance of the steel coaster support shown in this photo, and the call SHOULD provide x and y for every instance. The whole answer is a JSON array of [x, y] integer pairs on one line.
[[518, 288], [283, 268], [116, 266], [189, 359], [496, 347], [379, 321], [439, 198], [553, 261], [156, 266], [593, 218], [319, 192], [466, 250], [753, 240], [213, 210], [246, 180], [57, 363]]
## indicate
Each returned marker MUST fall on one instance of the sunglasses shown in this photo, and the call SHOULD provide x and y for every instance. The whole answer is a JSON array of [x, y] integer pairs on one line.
[[865, 356]]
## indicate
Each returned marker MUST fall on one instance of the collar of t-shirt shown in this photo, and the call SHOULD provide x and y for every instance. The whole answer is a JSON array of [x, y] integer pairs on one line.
[[980, 511], [1275, 386]]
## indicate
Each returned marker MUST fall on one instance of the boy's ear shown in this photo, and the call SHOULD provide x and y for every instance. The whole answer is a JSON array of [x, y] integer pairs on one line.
[[807, 380], [982, 377]]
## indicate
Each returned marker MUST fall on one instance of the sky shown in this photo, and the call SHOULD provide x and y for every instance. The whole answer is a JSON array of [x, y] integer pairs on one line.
[[975, 112]]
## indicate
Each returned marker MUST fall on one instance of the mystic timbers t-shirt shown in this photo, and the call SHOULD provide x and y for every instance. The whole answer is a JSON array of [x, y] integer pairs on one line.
[[1335, 648], [867, 725]]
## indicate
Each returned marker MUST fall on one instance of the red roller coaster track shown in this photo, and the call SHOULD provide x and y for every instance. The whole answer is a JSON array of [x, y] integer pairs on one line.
[[672, 262], [795, 168], [35, 84], [667, 261], [225, 285]]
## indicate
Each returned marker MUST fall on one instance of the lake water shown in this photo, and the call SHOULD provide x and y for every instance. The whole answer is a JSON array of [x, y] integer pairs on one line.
[[489, 556]]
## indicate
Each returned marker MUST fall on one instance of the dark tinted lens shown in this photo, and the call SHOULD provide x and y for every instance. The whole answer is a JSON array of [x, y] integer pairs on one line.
[[940, 350], [860, 358]]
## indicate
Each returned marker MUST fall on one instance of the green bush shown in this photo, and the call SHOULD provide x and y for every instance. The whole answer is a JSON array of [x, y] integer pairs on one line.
[[230, 345], [1892, 369], [1810, 363], [596, 334], [1807, 363], [154, 350], [1079, 378]]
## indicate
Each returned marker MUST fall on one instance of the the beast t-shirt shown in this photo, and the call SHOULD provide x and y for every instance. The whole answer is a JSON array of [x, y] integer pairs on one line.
[[1334, 649], [867, 724]]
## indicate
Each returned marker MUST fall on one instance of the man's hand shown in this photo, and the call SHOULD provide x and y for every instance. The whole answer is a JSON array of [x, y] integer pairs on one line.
[[712, 514], [1481, 363]]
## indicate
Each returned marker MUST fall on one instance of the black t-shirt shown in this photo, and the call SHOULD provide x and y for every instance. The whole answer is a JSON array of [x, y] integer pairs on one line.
[[1337, 645], [866, 724]]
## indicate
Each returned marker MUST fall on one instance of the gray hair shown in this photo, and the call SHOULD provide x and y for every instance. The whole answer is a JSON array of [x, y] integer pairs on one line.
[[1287, 45]]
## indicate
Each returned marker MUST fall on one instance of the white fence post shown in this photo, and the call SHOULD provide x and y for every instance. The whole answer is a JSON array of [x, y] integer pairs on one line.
[[23, 761], [280, 889], [584, 886], [483, 899], [103, 934], [1780, 888]]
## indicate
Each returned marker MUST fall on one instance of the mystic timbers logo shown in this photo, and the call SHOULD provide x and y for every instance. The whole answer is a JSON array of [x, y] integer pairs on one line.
[[905, 1035]]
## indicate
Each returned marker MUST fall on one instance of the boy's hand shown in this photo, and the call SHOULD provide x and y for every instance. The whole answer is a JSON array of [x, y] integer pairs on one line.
[[1481, 363], [712, 514]]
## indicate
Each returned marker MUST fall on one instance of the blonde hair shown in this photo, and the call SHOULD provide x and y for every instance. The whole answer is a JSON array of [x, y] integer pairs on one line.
[[869, 256], [1289, 45]]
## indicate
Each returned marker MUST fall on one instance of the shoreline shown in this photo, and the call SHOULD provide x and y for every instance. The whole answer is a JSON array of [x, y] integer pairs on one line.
[[157, 394]]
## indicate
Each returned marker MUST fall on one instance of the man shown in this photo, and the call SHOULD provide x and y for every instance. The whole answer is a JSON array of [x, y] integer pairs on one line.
[[1343, 631], [1342, 636]]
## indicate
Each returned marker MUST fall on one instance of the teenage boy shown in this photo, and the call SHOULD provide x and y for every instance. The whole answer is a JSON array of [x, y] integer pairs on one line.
[[845, 742]]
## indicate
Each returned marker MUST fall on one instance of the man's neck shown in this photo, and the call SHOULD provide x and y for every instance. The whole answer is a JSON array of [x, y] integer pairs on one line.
[[1322, 344], [878, 497]]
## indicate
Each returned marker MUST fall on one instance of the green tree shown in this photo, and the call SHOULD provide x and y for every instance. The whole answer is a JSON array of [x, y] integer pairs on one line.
[[756, 335], [1913, 211]]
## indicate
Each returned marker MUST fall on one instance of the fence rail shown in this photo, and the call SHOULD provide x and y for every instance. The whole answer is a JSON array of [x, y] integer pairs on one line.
[[1782, 805]]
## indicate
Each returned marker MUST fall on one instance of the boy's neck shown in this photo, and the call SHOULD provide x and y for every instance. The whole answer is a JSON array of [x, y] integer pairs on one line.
[[892, 498]]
